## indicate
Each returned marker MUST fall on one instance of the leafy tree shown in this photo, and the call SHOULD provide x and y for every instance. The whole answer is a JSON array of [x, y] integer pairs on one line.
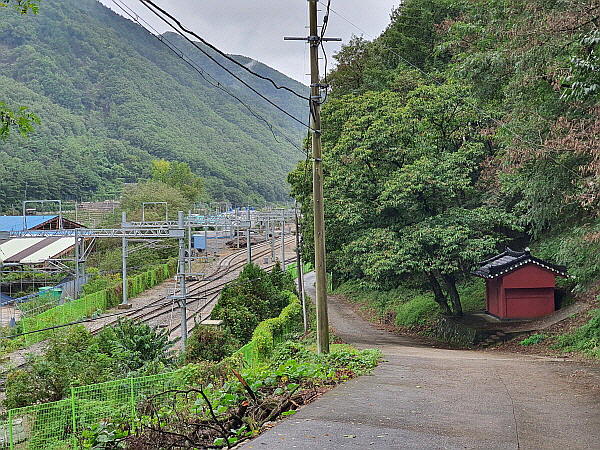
[[152, 191], [179, 176], [411, 41], [137, 348], [22, 6], [72, 358], [255, 296], [400, 189], [513, 55], [413, 36], [355, 71], [583, 82], [20, 119]]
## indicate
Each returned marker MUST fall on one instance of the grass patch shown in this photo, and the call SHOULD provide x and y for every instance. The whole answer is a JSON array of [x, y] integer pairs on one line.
[[472, 294], [585, 339], [412, 307], [418, 311], [380, 301]]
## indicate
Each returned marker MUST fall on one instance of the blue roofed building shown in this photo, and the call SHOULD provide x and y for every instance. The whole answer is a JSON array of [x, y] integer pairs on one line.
[[22, 223]]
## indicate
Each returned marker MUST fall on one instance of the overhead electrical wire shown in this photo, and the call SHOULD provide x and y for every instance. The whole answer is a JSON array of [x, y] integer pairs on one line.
[[156, 10], [129, 311], [323, 86], [225, 55], [323, 30], [207, 76]]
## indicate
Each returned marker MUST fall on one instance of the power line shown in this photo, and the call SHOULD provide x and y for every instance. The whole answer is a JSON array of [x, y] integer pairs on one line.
[[204, 74], [323, 30], [129, 311], [151, 5], [225, 55]]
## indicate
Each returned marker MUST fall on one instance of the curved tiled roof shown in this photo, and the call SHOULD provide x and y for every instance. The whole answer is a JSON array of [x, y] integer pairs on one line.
[[510, 260]]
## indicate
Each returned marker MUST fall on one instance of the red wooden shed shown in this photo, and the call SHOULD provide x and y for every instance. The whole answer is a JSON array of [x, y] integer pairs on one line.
[[518, 285]]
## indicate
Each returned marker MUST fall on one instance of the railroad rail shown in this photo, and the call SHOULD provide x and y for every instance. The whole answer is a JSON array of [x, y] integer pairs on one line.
[[201, 296]]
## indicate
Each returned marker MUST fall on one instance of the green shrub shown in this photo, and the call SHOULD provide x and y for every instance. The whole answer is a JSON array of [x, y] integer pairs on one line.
[[269, 331], [207, 343], [137, 348], [255, 296], [579, 250], [533, 339], [352, 361], [292, 350], [204, 373], [72, 358], [420, 310]]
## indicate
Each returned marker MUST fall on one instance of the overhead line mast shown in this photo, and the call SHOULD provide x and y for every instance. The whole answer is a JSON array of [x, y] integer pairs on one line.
[[314, 39]]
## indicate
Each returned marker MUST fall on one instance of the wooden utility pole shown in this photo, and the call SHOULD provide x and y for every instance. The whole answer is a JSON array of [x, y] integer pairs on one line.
[[314, 39], [317, 172]]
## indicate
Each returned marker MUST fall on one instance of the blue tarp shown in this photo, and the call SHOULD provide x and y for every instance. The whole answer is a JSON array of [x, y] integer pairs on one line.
[[15, 223], [5, 299]]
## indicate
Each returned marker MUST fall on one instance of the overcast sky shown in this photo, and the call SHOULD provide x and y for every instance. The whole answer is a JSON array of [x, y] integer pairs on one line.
[[256, 28]]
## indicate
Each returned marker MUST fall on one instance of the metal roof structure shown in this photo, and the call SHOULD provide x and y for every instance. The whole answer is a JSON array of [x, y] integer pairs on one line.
[[23, 223], [34, 250], [510, 260]]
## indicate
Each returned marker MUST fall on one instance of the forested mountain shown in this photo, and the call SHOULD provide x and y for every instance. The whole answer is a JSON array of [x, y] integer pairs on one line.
[[465, 126], [112, 97]]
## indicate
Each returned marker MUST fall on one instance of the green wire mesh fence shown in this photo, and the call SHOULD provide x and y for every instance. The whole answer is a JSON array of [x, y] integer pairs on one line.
[[57, 425], [89, 304]]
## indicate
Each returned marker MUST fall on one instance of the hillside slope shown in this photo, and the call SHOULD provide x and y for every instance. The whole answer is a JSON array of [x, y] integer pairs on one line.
[[112, 97]]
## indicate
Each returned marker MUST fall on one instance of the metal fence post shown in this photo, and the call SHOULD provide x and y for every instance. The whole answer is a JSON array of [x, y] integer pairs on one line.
[[10, 430], [132, 392], [73, 417]]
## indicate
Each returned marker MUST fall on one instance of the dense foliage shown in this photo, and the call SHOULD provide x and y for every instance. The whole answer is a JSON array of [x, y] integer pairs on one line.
[[74, 357], [222, 411], [255, 296], [465, 126], [111, 98]]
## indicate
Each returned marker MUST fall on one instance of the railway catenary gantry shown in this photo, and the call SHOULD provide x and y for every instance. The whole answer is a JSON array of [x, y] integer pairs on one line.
[[202, 294]]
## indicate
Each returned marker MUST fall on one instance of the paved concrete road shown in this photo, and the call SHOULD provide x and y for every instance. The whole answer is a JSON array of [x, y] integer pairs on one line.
[[430, 398]]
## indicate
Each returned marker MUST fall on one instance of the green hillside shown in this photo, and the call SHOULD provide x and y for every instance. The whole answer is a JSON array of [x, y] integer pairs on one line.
[[112, 97]]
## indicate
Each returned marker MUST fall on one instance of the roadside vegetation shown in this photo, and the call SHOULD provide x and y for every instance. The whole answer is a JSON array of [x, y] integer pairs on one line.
[[409, 307], [225, 404], [231, 382], [463, 128]]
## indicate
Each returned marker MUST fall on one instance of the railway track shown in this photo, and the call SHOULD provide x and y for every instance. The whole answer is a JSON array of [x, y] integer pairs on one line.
[[201, 295]]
